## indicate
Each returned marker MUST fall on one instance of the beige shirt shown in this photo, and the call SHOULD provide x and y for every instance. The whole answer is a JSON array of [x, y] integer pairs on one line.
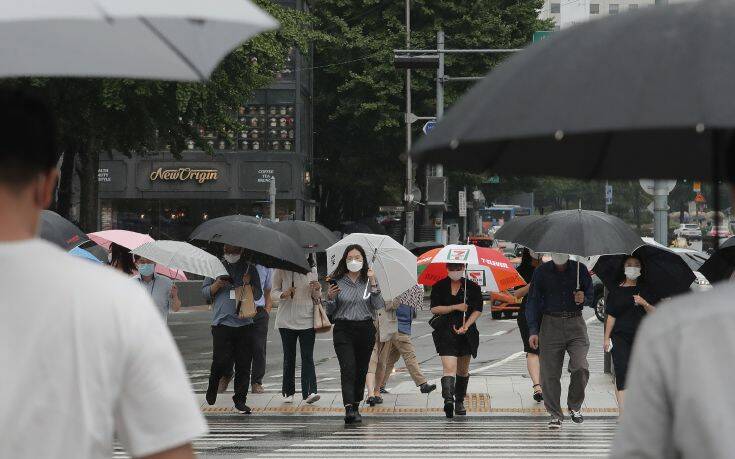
[[296, 313]]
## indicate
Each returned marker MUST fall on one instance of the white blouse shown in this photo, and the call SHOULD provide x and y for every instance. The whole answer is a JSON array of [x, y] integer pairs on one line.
[[296, 313]]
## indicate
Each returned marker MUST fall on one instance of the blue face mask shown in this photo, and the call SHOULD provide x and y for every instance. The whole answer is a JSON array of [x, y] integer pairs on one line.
[[146, 269]]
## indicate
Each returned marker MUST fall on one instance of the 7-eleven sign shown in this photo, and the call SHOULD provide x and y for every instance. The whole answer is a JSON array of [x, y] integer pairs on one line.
[[477, 276], [458, 255]]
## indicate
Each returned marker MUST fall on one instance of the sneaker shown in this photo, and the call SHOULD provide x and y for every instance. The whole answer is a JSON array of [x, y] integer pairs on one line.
[[312, 398], [378, 400], [258, 388], [577, 417], [288, 399], [242, 408], [555, 424]]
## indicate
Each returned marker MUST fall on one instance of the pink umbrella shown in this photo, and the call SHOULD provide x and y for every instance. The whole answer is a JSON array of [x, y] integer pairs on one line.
[[132, 240]]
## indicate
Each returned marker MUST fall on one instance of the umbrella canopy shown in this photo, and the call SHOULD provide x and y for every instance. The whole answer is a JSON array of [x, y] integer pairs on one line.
[[60, 231], [579, 232], [229, 218], [721, 264], [693, 258], [81, 253], [311, 236], [510, 229], [182, 256], [563, 107], [265, 246], [485, 266], [131, 241], [394, 265], [162, 39], [666, 273]]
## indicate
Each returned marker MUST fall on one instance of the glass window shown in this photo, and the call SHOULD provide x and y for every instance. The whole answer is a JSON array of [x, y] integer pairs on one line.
[[594, 8], [269, 123], [556, 8], [614, 8], [633, 6]]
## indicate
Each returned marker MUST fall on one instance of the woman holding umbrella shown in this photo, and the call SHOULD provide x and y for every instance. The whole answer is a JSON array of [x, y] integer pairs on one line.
[[456, 304], [353, 308], [529, 262], [626, 305]]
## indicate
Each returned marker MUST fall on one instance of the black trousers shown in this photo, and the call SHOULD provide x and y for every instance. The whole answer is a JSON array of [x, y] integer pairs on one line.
[[232, 344], [306, 339], [260, 323], [353, 343]]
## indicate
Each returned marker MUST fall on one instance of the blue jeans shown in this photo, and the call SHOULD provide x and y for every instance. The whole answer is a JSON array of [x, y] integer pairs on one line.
[[306, 340]]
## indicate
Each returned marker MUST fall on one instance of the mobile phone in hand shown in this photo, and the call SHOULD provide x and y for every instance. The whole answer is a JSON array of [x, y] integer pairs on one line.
[[226, 279]]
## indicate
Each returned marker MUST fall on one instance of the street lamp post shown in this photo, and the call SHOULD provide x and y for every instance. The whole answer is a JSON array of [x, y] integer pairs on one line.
[[409, 219]]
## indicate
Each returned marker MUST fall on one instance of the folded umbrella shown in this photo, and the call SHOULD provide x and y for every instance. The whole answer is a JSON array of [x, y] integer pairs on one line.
[[182, 256], [721, 264], [665, 273], [131, 241], [394, 265], [485, 266], [311, 236], [60, 231], [265, 246]]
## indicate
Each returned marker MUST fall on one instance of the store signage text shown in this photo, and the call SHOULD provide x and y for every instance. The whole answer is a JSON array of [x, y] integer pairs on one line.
[[265, 175], [184, 174]]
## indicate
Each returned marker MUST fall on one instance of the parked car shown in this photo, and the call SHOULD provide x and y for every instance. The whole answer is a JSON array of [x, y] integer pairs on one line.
[[689, 231]]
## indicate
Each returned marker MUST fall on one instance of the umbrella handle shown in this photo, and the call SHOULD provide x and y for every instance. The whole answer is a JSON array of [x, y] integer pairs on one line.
[[578, 263], [464, 315], [365, 294]]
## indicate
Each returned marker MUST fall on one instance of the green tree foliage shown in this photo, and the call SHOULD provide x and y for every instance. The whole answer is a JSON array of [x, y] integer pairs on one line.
[[360, 96], [95, 116]]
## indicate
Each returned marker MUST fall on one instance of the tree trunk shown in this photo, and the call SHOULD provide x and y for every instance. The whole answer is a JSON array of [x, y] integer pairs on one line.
[[65, 193], [89, 184]]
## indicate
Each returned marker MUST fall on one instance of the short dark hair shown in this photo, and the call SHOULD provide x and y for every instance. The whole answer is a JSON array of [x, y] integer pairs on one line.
[[27, 137]]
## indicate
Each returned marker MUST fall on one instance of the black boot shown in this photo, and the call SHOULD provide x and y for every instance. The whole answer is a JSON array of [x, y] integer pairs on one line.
[[460, 391], [358, 416], [427, 388], [448, 395], [350, 414]]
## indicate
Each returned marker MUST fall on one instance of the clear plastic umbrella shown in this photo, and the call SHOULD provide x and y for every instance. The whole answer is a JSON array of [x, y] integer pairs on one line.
[[182, 256]]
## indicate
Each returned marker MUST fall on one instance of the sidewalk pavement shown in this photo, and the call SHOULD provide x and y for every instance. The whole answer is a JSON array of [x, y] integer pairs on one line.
[[487, 396]]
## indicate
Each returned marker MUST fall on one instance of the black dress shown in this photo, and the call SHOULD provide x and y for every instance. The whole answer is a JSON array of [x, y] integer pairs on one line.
[[628, 316], [526, 271], [446, 341]]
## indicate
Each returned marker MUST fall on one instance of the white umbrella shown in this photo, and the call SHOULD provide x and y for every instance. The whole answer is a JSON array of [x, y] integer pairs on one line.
[[182, 256], [394, 265], [149, 39]]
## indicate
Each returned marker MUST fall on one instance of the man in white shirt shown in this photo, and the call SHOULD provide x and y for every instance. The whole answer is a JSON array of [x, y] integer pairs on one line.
[[85, 358]]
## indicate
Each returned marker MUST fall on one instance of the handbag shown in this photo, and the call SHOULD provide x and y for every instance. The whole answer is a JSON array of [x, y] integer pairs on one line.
[[321, 321], [438, 322], [245, 302]]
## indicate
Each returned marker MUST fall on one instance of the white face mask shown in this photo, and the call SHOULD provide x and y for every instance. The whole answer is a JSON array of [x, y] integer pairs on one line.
[[456, 275], [354, 266], [559, 259], [632, 272], [232, 258]]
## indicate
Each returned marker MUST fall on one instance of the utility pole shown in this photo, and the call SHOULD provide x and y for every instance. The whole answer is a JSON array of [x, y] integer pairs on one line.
[[607, 201], [272, 198], [409, 220], [661, 212], [439, 169]]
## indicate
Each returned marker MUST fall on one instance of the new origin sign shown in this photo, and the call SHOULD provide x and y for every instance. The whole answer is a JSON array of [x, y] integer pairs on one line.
[[185, 174]]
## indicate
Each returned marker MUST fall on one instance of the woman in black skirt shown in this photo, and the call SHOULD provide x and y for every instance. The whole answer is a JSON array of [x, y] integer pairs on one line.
[[456, 303], [529, 262], [626, 306]]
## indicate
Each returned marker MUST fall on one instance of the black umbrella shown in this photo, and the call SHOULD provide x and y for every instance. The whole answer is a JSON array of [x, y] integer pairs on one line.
[[633, 95], [311, 236], [666, 273], [230, 218], [720, 264], [264, 246], [510, 229], [585, 233], [60, 231]]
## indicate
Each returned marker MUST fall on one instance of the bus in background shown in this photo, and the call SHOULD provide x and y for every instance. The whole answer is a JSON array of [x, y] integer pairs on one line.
[[494, 216]]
